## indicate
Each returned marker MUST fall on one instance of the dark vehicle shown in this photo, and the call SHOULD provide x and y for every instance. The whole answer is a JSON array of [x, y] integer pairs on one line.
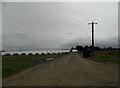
[[71, 50], [86, 52]]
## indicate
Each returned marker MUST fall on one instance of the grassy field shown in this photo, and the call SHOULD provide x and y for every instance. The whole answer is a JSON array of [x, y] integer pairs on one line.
[[15, 64], [0, 67], [106, 56]]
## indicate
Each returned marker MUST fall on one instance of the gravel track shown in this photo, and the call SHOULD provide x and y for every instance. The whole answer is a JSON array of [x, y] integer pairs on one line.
[[69, 70]]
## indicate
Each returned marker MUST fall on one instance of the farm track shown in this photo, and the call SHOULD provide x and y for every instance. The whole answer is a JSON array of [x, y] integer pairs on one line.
[[69, 70]]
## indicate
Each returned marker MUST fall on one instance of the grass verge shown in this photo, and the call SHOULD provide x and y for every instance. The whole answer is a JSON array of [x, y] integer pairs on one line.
[[15, 64], [105, 56]]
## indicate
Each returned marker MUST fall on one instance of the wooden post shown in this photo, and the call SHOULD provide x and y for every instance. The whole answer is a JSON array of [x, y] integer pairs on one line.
[[92, 37]]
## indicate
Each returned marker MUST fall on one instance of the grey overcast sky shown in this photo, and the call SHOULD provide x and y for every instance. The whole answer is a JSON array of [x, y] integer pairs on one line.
[[44, 25]]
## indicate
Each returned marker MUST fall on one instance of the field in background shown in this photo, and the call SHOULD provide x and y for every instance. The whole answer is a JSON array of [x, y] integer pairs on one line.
[[14, 64], [0, 69], [106, 56]]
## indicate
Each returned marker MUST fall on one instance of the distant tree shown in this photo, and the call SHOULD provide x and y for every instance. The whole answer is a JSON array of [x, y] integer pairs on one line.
[[7, 54], [42, 53], [109, 48], [30, 54], [15, 54], [54, 53], [72, 48], [58, 53], [36, 54], [79, 48], [23, 54], [96, 48], [104, 48], [48, 53]]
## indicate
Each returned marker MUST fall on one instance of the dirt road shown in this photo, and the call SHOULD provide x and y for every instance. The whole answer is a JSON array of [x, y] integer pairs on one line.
[[69, 70]]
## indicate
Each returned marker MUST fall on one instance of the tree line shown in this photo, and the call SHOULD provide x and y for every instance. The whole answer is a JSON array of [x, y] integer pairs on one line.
[[80, 48]]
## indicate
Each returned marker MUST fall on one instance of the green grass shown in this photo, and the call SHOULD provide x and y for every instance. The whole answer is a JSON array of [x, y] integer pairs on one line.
[[15, 64], [0, 67], [106, 56]]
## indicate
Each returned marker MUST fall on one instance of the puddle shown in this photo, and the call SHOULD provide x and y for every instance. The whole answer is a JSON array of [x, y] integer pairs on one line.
[[49, 59]]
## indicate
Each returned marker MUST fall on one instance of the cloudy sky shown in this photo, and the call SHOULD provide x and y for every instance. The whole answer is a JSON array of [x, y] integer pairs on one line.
[[44, 25]]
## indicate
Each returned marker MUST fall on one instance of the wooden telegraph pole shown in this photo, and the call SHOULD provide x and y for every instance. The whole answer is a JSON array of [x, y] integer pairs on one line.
[[92, 36]]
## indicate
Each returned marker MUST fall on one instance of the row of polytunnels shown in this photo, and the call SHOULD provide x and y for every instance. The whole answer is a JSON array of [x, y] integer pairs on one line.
[[17, 54]]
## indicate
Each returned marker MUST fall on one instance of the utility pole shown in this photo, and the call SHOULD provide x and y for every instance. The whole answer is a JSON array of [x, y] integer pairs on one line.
[[92, 36]]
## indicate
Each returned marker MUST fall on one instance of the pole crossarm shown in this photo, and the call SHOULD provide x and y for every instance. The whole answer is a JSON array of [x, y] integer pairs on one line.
[[92, 23]]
